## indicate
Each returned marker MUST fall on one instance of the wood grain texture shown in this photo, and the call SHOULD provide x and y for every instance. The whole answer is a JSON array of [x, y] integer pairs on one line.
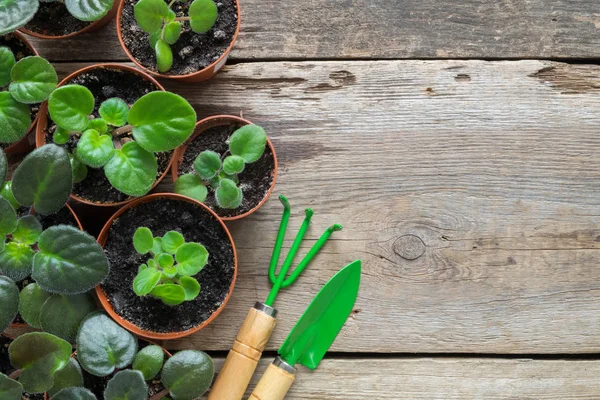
[[469, 189], [398, 29]]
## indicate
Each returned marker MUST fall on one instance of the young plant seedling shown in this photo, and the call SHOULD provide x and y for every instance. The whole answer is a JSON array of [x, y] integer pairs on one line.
[[156, 18], [168, 275], [14, 14], [246, 145], [122, 140], [28, 81]]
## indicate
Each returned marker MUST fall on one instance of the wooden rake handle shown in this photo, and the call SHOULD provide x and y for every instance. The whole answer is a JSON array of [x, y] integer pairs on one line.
[[275, 383], [245, 353]]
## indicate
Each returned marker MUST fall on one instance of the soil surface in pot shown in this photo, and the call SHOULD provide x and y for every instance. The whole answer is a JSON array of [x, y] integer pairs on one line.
[[193, 51], [8, 369], [20, 50], [105, 83], [53, 19], [64, 216], [255, 180], [196, 225]]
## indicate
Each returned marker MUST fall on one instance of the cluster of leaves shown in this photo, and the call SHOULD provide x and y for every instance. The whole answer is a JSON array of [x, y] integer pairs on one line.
[[31, 80], [246, 145], [168, 275], [156, 18], [157, 122], [16, 13]]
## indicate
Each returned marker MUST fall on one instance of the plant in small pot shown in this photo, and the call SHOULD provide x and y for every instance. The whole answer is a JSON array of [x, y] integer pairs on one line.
[[188, 40], [229, 164], [173, 266]]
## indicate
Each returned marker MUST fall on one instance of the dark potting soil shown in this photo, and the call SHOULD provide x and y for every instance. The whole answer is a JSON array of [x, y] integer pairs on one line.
[[255, 180], [53, 19], [63, 216], [193, 51], [6, 368], [105, 83], [196, 225]]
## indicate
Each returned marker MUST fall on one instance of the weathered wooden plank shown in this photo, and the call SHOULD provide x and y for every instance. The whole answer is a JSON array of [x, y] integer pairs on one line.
[[468, 188], [336, 29]]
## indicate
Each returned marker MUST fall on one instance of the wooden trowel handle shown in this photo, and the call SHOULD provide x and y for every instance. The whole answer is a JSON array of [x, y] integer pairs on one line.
[[275, 383], [244, 354]]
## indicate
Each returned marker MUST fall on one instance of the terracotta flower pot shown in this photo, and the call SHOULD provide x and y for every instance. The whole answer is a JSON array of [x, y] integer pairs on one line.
[[198, 76], [94, 26], [102, 238], [211, 122], [40, 134]]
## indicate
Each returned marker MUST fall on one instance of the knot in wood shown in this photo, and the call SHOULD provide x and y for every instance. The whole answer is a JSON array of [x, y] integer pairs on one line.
[[409, 247]]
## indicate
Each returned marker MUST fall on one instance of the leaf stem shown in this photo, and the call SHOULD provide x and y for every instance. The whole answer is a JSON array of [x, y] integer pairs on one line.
[[172, 2], [122, 130], [15, 374], [182, 19], [160, 394]]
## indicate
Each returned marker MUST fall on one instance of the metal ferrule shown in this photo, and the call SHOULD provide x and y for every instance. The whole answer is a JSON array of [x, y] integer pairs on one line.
[[279, 363], [262, 307]]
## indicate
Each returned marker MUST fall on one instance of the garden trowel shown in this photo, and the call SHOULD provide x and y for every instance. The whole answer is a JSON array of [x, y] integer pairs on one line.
[[314, 333]]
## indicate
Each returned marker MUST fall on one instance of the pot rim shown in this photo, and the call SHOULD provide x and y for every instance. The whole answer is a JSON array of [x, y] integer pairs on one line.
[[217, 120], [102, 237]]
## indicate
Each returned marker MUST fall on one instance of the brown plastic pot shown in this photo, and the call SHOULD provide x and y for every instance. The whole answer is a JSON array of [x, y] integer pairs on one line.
[[94, 26], [201, 127], [198, 76], [134, 328], [40, 134]]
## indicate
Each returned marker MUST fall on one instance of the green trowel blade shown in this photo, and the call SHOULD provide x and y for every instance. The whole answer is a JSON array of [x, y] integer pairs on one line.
[[323, 319]]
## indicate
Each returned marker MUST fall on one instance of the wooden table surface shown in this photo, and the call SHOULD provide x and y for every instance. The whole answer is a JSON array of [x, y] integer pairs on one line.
[[457, 141]]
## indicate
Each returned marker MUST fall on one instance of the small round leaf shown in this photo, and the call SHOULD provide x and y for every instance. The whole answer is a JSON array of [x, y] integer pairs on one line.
[[9, 297], [165, 260], [191, 258], [126, 385], [98, 124], [6, 192], [149, 361], [145, 281], [15, 14], [157, 246], [68, 377], [132, 170], [172, 32], [60, 136], [143, 241], [32, 298], [188, 374], [70, 106], [74, 393], [33, 79], [3, 166], [149, 14], [170, 272], [114, 111], [7, 61], [164, 55], [16, 261], [169, 293], [171, 241], [88, 10], [80, 170], [191, 185], [228, 195], [15, 119], [191, 287], [207, 164], [10, 389], [203, 15], [8, 217], [61, 315], [248, 142], [28, 230], [94, 149], [233, 165]]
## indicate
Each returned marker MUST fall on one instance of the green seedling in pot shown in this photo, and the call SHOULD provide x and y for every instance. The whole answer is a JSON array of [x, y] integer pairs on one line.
[[156, 18], [246, 145], [14, 14], [28, 81], [169, 274], [121, 139]]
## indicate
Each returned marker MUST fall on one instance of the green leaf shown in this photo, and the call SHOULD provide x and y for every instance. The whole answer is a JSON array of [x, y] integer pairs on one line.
[[3, 166], [70, 106], [44, 179], [170, 17], [149, 361], [203, 15], [149, 14], [88, 10], [164, 55], [33, 79], [60, 136], [126, 385], [145, 281], [169, 293], [98, 124], [6, 192], [188, 374], [74, 393], [165, 260], [132, 170], [9, 388], [171, 241], [16, 13], [143, 240], [28, 230], [7, 61], [38, 355], [170, 272], [191, 287], [8, 217], [9, 297], [233, 164], [191, 258], [80, 170], [172, 31], [66, 251], [248, 142], [157, 246], [114, 111], [153, 38], [15, 119], [62, 315], [228, 195], [102, 345], [162, 121], [68, 377], [94, 149], [16, 261], [207, 164], [31, 300], [191, 185]]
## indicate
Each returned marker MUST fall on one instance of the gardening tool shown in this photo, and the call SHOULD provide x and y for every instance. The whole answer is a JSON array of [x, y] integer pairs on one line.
[[314, 333], [260, 321]]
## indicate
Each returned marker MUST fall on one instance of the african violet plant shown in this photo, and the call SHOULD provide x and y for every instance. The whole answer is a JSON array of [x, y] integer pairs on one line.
[[14, 14], [122, 140], [168, 275], [28, 81], [156, 18], [246, 145]]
